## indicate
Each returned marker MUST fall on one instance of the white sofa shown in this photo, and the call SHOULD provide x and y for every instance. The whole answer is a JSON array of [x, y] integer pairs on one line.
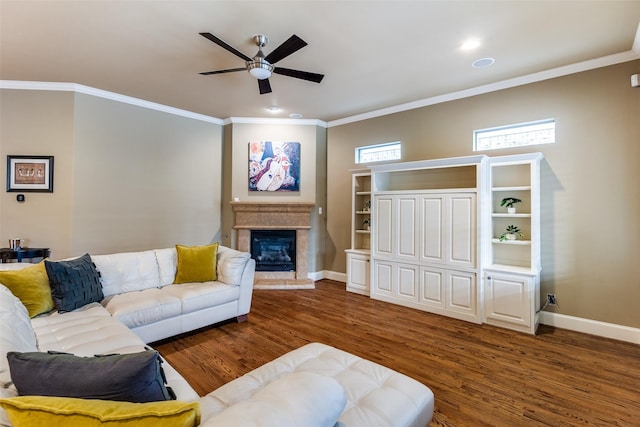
[[315, 385]]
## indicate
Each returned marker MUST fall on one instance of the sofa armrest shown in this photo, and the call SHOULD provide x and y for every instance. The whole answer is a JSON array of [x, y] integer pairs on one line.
[[237, 268]]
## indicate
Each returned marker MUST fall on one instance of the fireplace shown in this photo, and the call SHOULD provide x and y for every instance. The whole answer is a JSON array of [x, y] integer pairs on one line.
[[274, 250], [292, 217]]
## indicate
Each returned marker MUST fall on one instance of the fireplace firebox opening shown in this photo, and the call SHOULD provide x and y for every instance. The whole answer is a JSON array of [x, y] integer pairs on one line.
[[274, 250]]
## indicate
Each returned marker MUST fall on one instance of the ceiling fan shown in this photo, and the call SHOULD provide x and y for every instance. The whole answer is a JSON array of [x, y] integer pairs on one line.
[[261, 66]]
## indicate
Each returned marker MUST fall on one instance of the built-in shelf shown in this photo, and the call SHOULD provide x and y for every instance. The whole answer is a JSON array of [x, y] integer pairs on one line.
[[514, 188], [512, 242], [508, 215]]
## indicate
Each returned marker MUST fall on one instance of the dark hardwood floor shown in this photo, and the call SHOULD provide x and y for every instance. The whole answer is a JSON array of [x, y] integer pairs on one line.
[[481, 375]]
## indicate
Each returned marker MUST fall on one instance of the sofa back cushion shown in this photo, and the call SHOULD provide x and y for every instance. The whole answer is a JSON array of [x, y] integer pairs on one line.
[[127, 271], [16, 333], [231, 265], [167, 265]]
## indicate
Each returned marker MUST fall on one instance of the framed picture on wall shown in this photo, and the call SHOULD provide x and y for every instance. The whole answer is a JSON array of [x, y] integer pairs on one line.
[[30, 173], [274, 166]]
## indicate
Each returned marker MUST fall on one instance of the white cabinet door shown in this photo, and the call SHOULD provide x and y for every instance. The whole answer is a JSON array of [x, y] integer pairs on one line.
[[432, 282], [383, 226], [461, 220], [461, 298], [448, 230], [406, 227], [432, 250], [509, 300], [395, 281], [358, 269]]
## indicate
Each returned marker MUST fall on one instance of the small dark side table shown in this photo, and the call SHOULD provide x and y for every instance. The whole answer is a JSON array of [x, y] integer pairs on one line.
[[7, 254]]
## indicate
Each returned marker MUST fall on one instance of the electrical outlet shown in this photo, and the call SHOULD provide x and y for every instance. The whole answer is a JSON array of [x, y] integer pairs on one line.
[[551, 299]]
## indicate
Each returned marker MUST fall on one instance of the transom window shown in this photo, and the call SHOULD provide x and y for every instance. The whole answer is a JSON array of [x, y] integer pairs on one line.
[[379, 152], [518, 135]]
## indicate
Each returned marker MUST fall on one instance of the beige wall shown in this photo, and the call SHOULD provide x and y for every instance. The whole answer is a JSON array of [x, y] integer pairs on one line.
[[312, 141], [125, 177], [38, 123], [590, 203]]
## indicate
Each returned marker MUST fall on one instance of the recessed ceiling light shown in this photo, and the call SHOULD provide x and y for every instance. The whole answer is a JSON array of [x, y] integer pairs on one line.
[[470, 44], [483, 62], [274, 108], [295, 115]]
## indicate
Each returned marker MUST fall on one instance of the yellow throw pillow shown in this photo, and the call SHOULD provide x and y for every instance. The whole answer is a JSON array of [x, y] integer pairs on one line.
[[31, 286], [196, 263], [49, 411]]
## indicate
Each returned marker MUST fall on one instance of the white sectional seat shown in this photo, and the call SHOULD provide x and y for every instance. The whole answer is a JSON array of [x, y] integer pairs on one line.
[[313, 386]]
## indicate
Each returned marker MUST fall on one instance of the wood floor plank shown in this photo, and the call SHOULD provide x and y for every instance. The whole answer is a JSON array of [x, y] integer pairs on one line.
[[481, 375]]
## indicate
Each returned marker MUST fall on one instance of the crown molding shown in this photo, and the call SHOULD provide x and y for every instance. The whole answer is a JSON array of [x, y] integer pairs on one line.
[[274, 121], [505, 84], [77, 88]]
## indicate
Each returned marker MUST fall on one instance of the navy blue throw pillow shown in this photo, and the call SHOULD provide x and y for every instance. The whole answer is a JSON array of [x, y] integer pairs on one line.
[[133, 377], [74, 283]]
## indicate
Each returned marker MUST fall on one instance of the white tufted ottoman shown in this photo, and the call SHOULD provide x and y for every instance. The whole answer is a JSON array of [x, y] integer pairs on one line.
[[375, 396]]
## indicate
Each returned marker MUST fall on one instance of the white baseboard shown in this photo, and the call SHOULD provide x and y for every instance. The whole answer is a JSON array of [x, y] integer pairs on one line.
[[331, 275], [593, 327]]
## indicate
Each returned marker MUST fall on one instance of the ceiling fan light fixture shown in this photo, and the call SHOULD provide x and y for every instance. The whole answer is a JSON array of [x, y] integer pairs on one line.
[[259, 68]]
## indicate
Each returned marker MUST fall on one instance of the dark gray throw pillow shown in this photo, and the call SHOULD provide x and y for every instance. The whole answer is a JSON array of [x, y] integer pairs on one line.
[[74, 283], [134, 377]]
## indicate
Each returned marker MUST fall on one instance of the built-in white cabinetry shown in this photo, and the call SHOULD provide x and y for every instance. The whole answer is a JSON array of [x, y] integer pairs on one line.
[[436, 240], [424, 239], [358, 265], [512, 272]]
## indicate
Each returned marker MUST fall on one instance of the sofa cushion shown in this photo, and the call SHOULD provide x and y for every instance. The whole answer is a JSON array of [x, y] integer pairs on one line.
[[196, 263], [142, 308], [297, 399], [167, 264], [132, 377], [127, 271], [74, 283], [198, 296], [31, 286], [231, 265], [29, 411]]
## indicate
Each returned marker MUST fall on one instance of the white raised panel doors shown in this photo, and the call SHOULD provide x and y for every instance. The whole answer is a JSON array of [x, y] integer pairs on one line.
[[462, 230], [432, 227], [432, 286], [358, 273], [383, 226], [407, 223], [509, 300], [395, 281], [461, 299]]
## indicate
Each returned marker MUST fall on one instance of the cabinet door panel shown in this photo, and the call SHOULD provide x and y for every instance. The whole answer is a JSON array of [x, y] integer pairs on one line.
[[461, 287], [462, 230], [358, 272], [507, 299], [407, 282], [432, 282], [383, 227], [432, 243], [383, 278], [407, 224]]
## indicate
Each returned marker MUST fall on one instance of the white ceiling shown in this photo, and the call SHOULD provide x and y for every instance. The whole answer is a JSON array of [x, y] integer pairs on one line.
[[374, 54]]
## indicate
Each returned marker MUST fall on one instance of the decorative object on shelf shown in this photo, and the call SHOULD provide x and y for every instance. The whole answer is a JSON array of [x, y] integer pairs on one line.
[[367, 206], [509, 203], [512, 233], [367, 224], [15, 244], [30, 173]]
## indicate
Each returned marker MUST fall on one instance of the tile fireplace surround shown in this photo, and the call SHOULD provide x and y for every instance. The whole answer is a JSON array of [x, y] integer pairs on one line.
[[276, 216]]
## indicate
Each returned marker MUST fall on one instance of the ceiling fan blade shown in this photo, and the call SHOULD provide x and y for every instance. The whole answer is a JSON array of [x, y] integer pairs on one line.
[[264, 86], [230, 70], [222, 44], [291, 45], [304, 75]]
